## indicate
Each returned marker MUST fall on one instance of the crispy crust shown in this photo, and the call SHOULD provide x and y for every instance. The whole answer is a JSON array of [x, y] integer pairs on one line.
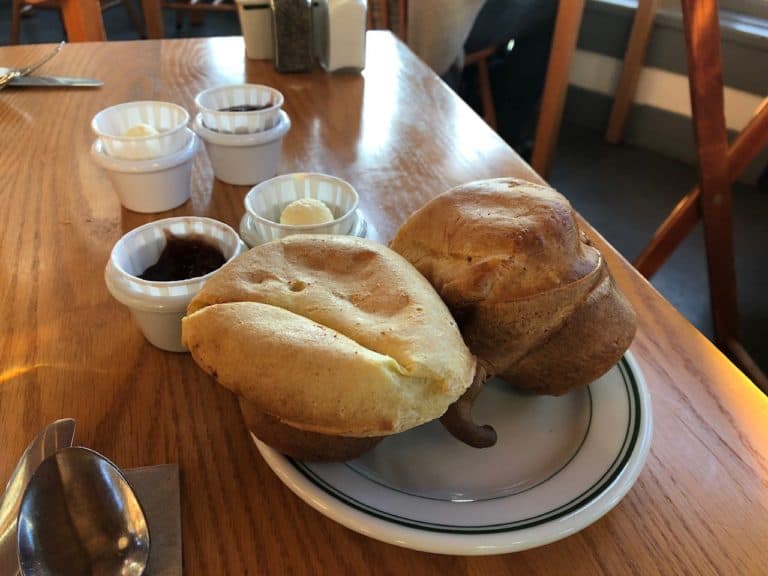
[[330, 334], [533, 298], [300, 444]]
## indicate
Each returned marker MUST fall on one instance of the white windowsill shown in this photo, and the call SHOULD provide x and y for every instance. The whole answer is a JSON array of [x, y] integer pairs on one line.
[[734, 26]]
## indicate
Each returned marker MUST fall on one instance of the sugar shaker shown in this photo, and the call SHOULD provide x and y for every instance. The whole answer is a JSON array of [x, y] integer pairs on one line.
[[340, 34]]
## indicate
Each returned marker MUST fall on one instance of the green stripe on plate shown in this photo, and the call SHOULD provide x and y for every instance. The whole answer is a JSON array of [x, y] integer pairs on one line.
[[591, 493]]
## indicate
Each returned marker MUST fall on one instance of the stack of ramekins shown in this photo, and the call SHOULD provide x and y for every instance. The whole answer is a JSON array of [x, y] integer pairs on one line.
[[158, 306], [147, 151], [243, 127]]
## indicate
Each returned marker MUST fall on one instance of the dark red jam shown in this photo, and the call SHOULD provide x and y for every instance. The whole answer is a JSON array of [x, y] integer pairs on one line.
[[183, 258], [246, 107]]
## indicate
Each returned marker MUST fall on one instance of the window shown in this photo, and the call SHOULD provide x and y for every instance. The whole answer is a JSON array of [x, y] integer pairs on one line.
[[753, 8]]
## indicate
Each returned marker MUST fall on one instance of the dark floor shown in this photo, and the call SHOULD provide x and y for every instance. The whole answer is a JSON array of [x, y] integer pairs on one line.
[[624, 192]]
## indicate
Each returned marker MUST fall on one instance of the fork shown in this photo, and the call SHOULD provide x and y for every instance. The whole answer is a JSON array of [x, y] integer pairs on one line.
[[19, 72]]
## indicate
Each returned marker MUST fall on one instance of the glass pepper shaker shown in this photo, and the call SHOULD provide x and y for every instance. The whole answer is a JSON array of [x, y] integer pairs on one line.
[[292, 21]]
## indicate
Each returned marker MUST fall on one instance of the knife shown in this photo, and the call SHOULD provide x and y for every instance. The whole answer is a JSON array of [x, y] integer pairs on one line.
[[54, 81]]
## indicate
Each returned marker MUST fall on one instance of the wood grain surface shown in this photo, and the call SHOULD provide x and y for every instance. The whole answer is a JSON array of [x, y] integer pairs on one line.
[[67, 349]]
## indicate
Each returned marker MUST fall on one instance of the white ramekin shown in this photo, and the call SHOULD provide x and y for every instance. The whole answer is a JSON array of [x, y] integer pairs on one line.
[[244, 159], [251, 237], [154, 185], [210, 103], [265, 203], [256, 23], [169, 119], [158, 307]]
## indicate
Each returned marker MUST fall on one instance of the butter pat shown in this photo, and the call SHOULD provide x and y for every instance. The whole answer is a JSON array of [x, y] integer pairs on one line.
[[306, 211], [140, 130]]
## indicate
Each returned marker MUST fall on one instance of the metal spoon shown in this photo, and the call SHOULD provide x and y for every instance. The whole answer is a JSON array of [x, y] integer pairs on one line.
[[53, 437], [79, 516], [18, 72]]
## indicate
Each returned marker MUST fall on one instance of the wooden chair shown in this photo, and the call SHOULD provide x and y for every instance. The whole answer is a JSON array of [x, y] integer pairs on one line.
[[719, 165], [82, 19]]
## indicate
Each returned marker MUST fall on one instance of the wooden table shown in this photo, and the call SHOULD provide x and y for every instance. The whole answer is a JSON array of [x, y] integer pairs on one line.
[[400, 137]]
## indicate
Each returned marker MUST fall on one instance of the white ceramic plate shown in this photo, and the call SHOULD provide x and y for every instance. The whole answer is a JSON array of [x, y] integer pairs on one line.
[[251, 237], [560, 464]]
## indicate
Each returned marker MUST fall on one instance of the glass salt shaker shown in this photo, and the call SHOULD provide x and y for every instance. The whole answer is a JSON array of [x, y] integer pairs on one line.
[[340, 34]]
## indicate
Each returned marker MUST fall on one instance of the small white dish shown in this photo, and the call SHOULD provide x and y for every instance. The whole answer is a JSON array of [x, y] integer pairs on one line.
[[212, 104], [559, 465], [250, 234], [256, 23], [245, 159], [265, 203], [158, 307], [153, 185], [170, 120]]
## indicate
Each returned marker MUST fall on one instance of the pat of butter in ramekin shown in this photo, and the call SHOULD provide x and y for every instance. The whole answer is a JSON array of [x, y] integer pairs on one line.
[[306, 211], [139, 130]]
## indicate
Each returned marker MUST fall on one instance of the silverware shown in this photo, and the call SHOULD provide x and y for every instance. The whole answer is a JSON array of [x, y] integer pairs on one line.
[[18, 72], [53, 437], [79, 516], [53, 82]]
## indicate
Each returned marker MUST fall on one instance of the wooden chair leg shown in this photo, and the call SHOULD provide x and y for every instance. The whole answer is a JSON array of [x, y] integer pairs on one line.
[[379, 16], [569, 13], [675, 228], [369, 14], [16, 6], [153, 18], [480, 59], [681, 221], [486, 94], [686, 214], [630, 73], [402, 11], [384, 12], [83, 21], [133, 14], [750, 142], [702, 38]]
